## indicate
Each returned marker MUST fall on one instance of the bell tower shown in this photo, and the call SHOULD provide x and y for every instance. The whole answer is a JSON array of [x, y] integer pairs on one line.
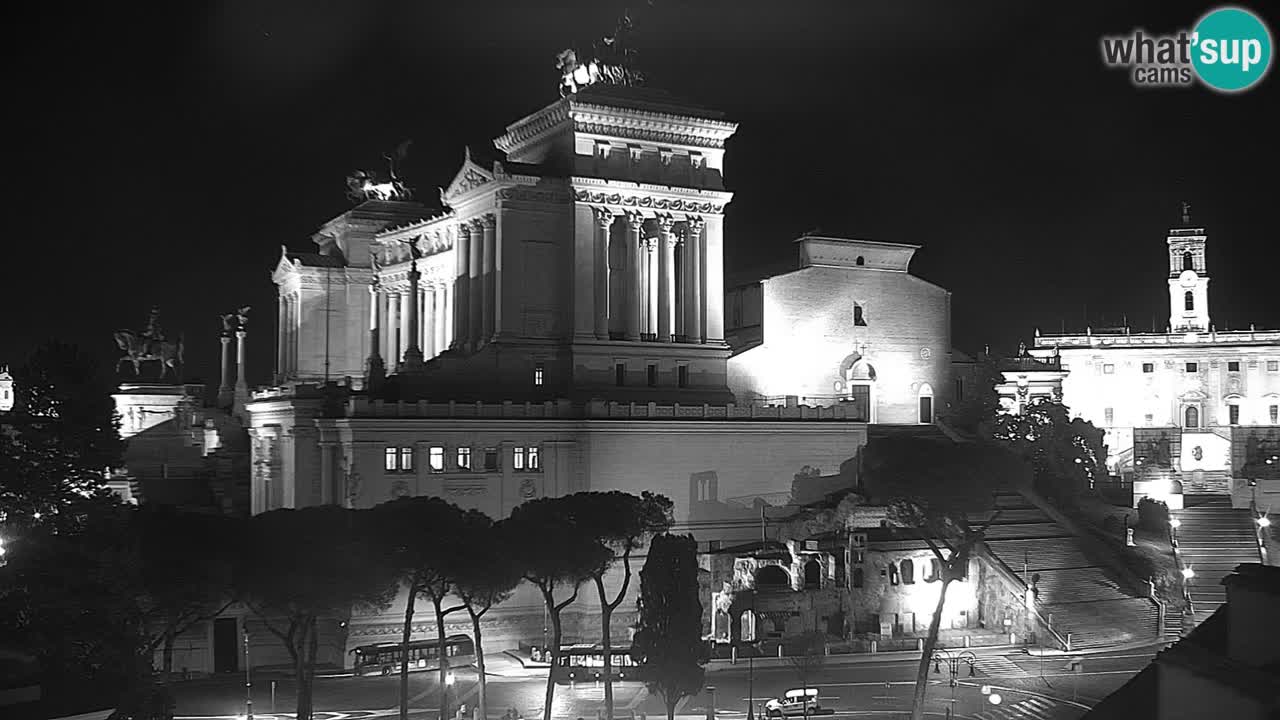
[[1188, 277]]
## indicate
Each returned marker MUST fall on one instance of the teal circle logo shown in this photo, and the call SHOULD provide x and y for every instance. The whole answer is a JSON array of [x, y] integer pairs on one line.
[[1231, 49]]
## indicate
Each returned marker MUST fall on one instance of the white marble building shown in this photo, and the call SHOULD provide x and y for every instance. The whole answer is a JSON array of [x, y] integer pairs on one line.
[[1208, 385]]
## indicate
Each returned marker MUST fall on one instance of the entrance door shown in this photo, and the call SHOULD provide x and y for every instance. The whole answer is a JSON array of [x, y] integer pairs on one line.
[[224, 645], [926, 409], [860, 398]]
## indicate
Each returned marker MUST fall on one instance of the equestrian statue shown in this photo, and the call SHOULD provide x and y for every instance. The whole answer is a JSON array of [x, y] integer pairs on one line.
[[150, 345]]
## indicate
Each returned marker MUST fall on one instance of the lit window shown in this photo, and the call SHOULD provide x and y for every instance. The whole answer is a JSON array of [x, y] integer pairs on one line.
[[652, 375], [537, 374], [436, 458], [858, 318], [406, 459], [464, 458], [1193, 367], [1233, 412], [1148, 367], [619, 374], [682, 376], [491, 458], [893, 574], [1233, 366], [1108, 369], [1273, 366], [533, 456], [1110, 415], [390, 463], [517, 459]]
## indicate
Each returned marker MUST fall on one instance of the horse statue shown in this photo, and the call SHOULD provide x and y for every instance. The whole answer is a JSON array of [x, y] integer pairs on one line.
[[139, 349]]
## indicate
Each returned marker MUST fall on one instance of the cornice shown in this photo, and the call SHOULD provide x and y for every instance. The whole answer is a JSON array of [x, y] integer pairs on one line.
[[533, 128], [658, 198]]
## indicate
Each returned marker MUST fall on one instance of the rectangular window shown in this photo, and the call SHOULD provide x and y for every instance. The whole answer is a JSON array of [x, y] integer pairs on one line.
[[1233, 366], [534, 458], [1110, 416], [406, 459], [682, 376], [391, 462], [435, 457], [491, 459], [1148, 418], [1275, 414], [1108, 369], [1273, 366], [464, 458], [1233, 413], [652, 375], [619, 374], [1193, 367], [517, 459], [1148, 367], [959, 390]]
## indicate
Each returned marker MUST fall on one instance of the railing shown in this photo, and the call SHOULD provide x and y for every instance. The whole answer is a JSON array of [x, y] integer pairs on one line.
[[595, 409], [1174, 338], [1012, 577]]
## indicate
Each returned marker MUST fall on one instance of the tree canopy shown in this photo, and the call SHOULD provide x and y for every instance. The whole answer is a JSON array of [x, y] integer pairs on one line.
[[1067, 455]]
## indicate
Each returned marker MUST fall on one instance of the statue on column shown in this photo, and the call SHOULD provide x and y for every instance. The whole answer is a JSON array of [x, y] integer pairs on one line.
[[242, 318]]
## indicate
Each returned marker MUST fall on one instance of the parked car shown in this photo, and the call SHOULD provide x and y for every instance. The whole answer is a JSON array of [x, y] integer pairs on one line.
[[796, 701]]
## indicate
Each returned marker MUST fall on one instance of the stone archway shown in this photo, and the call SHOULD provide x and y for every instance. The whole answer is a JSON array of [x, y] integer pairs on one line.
[[772, 577]]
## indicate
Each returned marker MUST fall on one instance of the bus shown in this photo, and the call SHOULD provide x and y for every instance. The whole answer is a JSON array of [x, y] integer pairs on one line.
[[384, 658], [585, 663]]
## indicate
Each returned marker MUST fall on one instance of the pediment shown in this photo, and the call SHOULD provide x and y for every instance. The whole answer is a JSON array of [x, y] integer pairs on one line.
[[469, 177], [284, 267]]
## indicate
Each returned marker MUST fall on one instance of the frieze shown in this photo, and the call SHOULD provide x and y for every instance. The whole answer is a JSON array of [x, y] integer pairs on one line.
[[648, 134], [648, 202], [525, 195]]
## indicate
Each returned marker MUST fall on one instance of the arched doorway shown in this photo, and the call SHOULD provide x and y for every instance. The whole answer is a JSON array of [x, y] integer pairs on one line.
[[812, 575], [857, 386], [926, 403]]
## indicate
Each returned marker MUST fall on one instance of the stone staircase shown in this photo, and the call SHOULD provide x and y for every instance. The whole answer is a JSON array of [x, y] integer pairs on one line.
[[1081, 596], [1214, 538], [1206, 482]]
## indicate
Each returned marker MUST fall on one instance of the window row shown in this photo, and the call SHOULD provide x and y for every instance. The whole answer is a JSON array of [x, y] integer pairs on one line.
[[1192, 415], [651, 375], [523, 459], [1232, 366]]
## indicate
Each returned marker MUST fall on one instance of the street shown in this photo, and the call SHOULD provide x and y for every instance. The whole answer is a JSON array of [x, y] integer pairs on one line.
[[1029, 687]]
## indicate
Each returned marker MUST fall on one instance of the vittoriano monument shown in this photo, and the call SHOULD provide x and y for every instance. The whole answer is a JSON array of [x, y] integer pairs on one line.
[[150, 346]]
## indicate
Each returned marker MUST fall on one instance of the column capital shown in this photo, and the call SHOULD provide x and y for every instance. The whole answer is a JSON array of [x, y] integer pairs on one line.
[[488, 221], [666, 224], [604, 217], [696, 223], [635, 220]]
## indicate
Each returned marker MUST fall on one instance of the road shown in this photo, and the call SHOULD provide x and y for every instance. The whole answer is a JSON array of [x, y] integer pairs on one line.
[[1030, 688]]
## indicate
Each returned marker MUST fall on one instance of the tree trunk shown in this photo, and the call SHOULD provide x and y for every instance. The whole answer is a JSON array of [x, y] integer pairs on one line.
[[671, 707], [303, 665], [922, 672], [404, 651], [554, 612], [442, 653], [166, 663], [482, 702], [606, 614]]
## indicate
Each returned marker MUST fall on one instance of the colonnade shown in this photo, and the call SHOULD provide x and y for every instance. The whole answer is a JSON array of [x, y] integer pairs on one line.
[[393, 309], [664, 278]]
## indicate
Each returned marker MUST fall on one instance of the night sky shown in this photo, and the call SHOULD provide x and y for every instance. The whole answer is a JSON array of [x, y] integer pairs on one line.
[[163, 154]]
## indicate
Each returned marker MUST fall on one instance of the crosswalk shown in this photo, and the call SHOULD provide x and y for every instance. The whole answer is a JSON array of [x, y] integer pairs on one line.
[[999, 666], [1033, 708]]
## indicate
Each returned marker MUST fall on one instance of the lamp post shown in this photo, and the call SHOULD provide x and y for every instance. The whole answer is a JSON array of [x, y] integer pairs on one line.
[[953, 661], [1174, 524], [248, 682], [448, 683]]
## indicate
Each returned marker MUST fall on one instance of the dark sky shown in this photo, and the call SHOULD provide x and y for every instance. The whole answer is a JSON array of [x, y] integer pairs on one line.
[[163, 154]]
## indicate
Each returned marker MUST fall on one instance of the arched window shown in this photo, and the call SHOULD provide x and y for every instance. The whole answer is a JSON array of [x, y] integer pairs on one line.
[[860, 262], [812, 574], [1192, 417], [772, 577], [934, 572], [1188, 261], [859, 319], [908, 572], [1188, 300]]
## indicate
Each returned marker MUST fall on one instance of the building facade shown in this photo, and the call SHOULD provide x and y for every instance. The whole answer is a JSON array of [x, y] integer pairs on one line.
[[1207, 388]]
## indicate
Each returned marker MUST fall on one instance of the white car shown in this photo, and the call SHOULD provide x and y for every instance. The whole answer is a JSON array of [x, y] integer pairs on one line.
[[797, 701]]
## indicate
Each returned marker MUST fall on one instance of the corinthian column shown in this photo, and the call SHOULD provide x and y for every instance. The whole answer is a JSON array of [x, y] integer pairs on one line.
[[693, 267], [377, 370], [651, 287], [413, 353], [282, 342], [462, 286], [475, 283], [604, 220], [224, 389], [666, 277], [393, 324], [635, 291], [488, 307]]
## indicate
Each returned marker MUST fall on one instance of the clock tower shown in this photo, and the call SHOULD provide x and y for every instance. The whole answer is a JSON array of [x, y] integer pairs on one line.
[[1188, 277]]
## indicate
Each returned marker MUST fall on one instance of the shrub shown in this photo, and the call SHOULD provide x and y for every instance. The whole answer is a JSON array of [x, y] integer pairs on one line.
[[1153, 515]]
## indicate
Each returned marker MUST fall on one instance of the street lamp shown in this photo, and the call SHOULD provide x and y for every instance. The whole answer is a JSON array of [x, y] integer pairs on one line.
[[1188, 573], [448, 683], [248, 682], [953, 661], [1263, 521]]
